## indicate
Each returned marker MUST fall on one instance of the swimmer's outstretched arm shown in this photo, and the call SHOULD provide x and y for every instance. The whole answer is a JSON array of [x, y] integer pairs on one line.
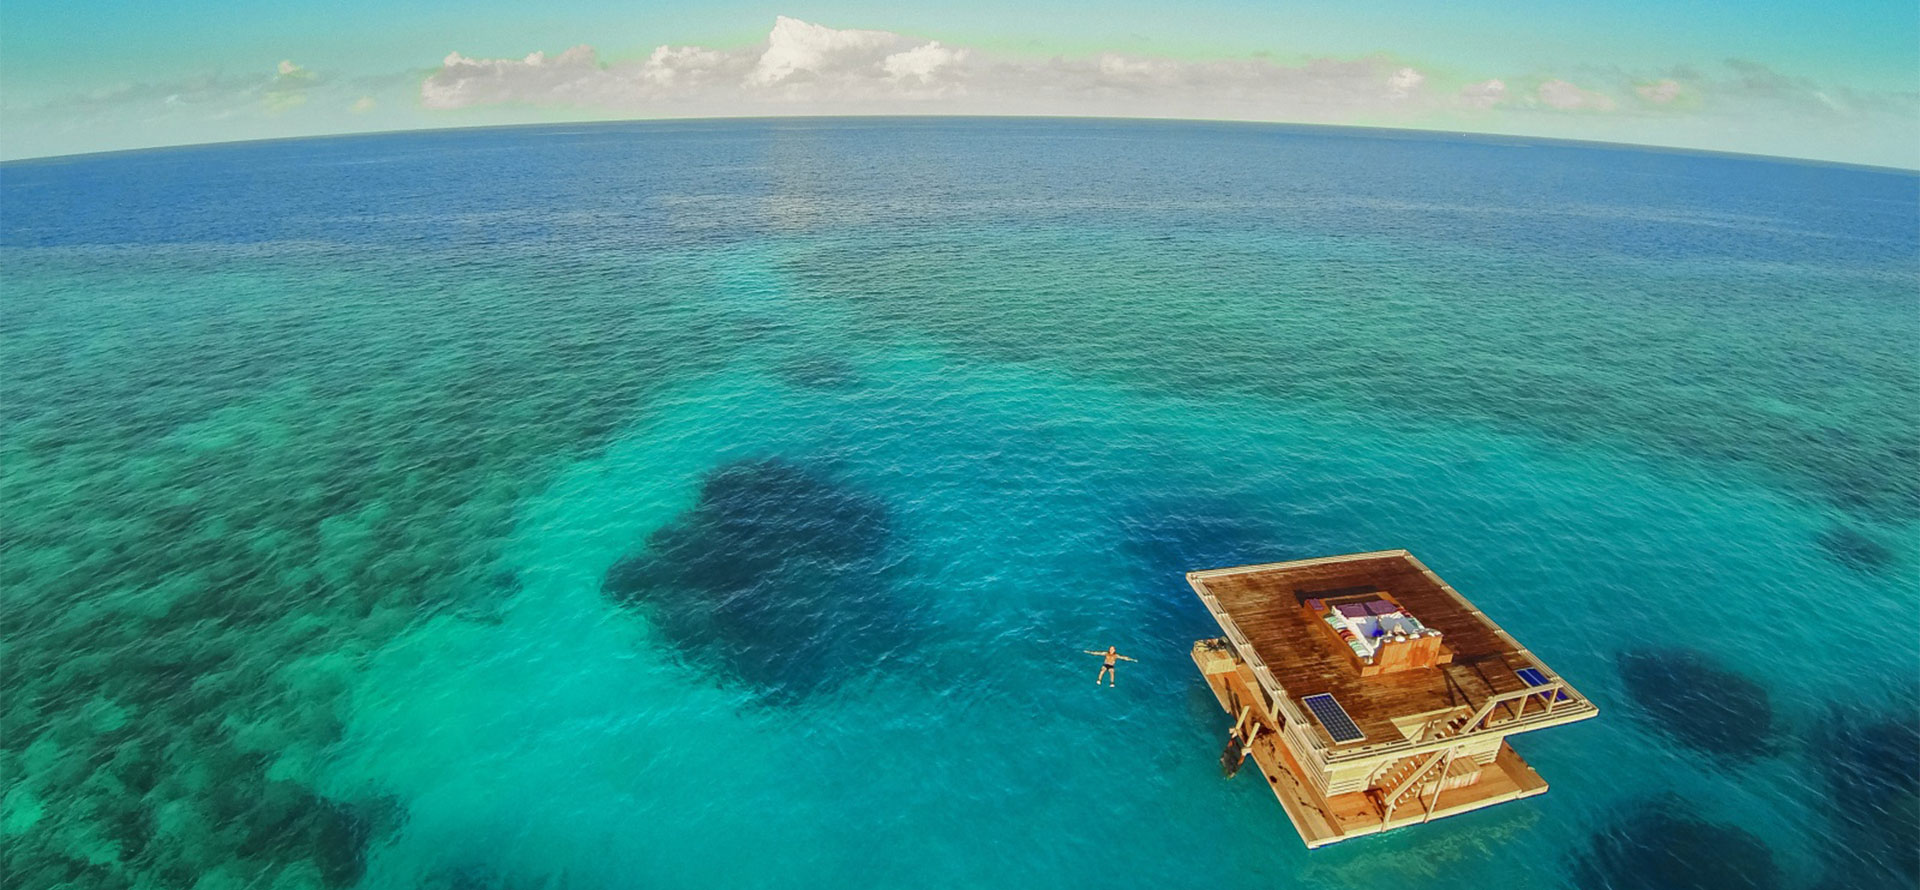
[[1125, 657]]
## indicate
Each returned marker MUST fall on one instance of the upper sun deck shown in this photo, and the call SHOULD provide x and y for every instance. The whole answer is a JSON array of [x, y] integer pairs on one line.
[[1265, 609]]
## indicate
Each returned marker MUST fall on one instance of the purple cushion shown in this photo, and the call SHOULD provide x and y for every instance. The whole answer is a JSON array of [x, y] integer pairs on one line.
[[1381, 607], [1353, 610]]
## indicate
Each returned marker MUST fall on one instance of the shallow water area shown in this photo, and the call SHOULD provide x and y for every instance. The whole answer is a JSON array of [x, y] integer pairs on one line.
[[383, 548]]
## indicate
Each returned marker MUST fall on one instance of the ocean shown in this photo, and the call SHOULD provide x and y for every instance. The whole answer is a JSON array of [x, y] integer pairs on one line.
[[728, 503]]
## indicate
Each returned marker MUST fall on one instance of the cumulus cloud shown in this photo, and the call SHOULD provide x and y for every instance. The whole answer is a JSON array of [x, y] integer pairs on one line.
[[805, 68], [288, 89], [1485, 94], [1565, 96], [1402, 83], [922, 63], [1659, 92], [799, 49], [571, 78], [833, 70], [685, 65]]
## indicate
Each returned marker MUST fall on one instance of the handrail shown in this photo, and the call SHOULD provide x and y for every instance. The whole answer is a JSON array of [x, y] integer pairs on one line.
[[1400, 790], [1550, 690], [1407, 747], [1427, 734], [1276, 695], [1426, 731]]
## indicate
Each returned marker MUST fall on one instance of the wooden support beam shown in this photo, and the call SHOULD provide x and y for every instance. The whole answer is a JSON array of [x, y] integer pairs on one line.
[[1440, 784]]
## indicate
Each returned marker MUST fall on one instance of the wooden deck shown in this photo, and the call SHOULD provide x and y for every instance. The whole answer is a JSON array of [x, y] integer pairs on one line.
[[1265, 603], [1321, 820], [1434, 728]]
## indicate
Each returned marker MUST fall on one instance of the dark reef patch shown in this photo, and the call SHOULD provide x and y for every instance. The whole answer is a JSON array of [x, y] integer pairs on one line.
[[287, 822], [1685, 695], [1871, 767], [819, 371], [1656, 847], [776, 576], [1855, 549], [505, 582], [469, 876]]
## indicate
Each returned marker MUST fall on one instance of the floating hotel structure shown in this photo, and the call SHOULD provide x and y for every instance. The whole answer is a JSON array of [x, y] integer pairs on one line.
[[1372, 695]]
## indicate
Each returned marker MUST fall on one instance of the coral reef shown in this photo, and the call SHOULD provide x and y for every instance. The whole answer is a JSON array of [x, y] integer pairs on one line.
[[1871, 767], [1655, 846], [1683, 694], [208, 515], [1855, 549], [775, 576]]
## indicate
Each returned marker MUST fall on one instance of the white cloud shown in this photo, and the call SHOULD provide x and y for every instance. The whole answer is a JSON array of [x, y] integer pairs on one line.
[[802, 68], [672, 65], [1660, 92], [831, 70], [1565, 96], [1124, 69], [1403, 82], [799, 48], [922, 63], [288, 89], [1485, 94], [571, 78]]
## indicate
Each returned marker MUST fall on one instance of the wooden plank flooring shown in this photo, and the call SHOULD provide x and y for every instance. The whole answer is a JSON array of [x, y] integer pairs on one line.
[[1265, 605]]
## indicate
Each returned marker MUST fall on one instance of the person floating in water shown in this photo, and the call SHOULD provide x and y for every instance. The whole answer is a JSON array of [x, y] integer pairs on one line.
[[1106, 670]]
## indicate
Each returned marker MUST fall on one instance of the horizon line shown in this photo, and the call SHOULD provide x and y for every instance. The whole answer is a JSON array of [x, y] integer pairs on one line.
[[1470, 134]]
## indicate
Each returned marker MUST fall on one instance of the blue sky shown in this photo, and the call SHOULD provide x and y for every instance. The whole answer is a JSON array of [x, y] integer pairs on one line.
[[1798, 79]]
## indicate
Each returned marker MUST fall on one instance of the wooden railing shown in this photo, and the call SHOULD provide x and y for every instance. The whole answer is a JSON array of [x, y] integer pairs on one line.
[[1277, 701], [1281, 705], [1391, 800], [1475, 724]]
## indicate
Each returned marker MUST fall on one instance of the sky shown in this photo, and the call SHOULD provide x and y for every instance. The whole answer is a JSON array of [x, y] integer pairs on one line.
[[1793, 78]]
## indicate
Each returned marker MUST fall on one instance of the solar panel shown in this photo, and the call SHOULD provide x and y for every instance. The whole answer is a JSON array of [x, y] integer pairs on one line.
[[1533, 677], [1334, 718]]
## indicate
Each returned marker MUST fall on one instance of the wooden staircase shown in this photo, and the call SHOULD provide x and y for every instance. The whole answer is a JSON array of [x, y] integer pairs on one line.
[[1409, 776]]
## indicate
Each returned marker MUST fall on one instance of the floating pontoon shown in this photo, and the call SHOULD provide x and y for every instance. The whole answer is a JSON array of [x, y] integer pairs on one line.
[[1374, 695]]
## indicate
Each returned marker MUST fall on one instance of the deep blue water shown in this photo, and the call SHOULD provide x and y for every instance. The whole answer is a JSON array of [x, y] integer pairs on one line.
[[727, 503]]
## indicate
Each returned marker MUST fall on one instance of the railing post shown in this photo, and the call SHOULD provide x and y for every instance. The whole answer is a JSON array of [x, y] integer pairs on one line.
[[1439, 785]]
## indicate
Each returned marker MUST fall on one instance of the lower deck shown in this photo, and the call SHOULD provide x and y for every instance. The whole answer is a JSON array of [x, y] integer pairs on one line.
[[1323, 820]]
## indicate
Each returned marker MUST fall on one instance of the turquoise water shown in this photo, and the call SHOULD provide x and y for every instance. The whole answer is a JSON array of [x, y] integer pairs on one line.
[[728, 504]]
